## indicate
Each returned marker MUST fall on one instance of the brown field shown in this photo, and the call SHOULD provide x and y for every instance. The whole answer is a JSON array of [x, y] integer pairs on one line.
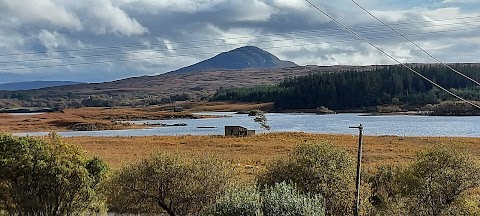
[[60, 121], [255, 151]]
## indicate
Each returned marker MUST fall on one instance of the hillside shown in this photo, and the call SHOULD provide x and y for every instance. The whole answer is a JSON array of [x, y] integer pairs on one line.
[[247, 57], [156, 89], [34, 85]]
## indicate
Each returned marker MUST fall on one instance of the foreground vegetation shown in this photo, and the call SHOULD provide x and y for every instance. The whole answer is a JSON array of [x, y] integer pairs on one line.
[[313, 178]]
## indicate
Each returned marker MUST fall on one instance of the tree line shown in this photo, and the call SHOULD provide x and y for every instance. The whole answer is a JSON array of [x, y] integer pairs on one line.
[[358, 89], [49, 177]]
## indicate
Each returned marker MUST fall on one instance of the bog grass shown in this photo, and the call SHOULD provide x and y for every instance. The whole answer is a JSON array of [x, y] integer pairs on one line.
[[250, 154]]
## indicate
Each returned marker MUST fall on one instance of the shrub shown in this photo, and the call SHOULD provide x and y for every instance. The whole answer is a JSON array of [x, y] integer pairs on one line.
[[285, 200], [427, 107], [386, 191], [441, 181], [279, 200], [388, 109], [438, 178], [395, 101], [47, 178], [242, 200], [318, 169], [167, 183], [455, 108]]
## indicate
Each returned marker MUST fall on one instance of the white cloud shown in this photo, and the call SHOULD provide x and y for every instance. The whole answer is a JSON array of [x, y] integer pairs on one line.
[[193, 30], [111, 19], [460, 1], [39, 11], [162, 6], [249, 10]]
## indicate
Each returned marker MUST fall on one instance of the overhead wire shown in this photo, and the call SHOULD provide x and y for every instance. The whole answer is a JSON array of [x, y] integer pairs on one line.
[[233, 38], [176, 55], [221, 45], [412, 42], [388, 55]]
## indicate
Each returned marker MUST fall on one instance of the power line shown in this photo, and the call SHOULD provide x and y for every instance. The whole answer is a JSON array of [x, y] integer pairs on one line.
[[181, 55], [220, 45], [408, 39], [138, 59], [234, 38], [390, 56]]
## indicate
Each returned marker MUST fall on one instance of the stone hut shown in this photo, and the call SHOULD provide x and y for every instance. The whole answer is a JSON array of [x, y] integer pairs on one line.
[[178, 109], [238, 131]]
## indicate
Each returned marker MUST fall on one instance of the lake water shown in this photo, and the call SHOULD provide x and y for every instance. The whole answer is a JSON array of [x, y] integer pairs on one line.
[[311, 123], [26, 114]]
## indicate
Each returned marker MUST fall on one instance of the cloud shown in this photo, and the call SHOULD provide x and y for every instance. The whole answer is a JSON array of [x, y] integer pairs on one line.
[[107, 18], [101, 40], [460, 1], [47, 12]]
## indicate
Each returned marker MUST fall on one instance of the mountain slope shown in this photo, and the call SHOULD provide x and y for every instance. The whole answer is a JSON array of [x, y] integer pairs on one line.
[[247, 57], [34, 85]]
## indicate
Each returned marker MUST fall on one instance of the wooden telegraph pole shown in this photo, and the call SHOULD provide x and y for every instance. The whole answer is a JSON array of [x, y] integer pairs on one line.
[[359, 167]]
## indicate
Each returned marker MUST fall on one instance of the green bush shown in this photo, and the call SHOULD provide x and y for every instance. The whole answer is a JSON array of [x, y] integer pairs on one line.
[[285, 200], [318, 169], [245, 200], [167, 183], [455, 108], [279, 200], [441, 181], [40, 177], [437, 179]]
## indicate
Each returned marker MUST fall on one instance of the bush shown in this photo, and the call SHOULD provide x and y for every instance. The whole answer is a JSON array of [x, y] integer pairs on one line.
[[279, 200], [438, 178], [47, 178], [455, 108], [441, 181], [285, 200], [388, 109], [241, 200], [167, 183], [318, 169]]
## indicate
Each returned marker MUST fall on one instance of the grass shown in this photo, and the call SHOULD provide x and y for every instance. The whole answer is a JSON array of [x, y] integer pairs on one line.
[[251, 154]]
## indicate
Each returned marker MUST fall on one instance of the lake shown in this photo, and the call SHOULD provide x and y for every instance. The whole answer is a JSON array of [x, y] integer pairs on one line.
[[396, 125]]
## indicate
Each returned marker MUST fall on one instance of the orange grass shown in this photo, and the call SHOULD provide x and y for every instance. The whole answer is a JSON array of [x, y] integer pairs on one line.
[[256, 151], [59, 121]]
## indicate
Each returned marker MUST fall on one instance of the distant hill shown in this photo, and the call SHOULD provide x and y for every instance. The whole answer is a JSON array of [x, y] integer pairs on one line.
[[34, 85], [247, 57], [196, 85]]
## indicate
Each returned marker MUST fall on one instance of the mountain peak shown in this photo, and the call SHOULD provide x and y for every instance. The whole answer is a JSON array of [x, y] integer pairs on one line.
[[246, 57]]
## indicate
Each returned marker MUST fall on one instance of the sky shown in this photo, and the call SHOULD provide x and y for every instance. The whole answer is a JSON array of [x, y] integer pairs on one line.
[[104, 40]]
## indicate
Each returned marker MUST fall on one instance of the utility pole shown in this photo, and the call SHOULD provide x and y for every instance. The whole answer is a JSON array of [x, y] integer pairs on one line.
[[359, 168]]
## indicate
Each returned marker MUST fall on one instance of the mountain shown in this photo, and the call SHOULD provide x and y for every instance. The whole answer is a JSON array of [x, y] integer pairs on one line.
[[247, 57], [34, 85]]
